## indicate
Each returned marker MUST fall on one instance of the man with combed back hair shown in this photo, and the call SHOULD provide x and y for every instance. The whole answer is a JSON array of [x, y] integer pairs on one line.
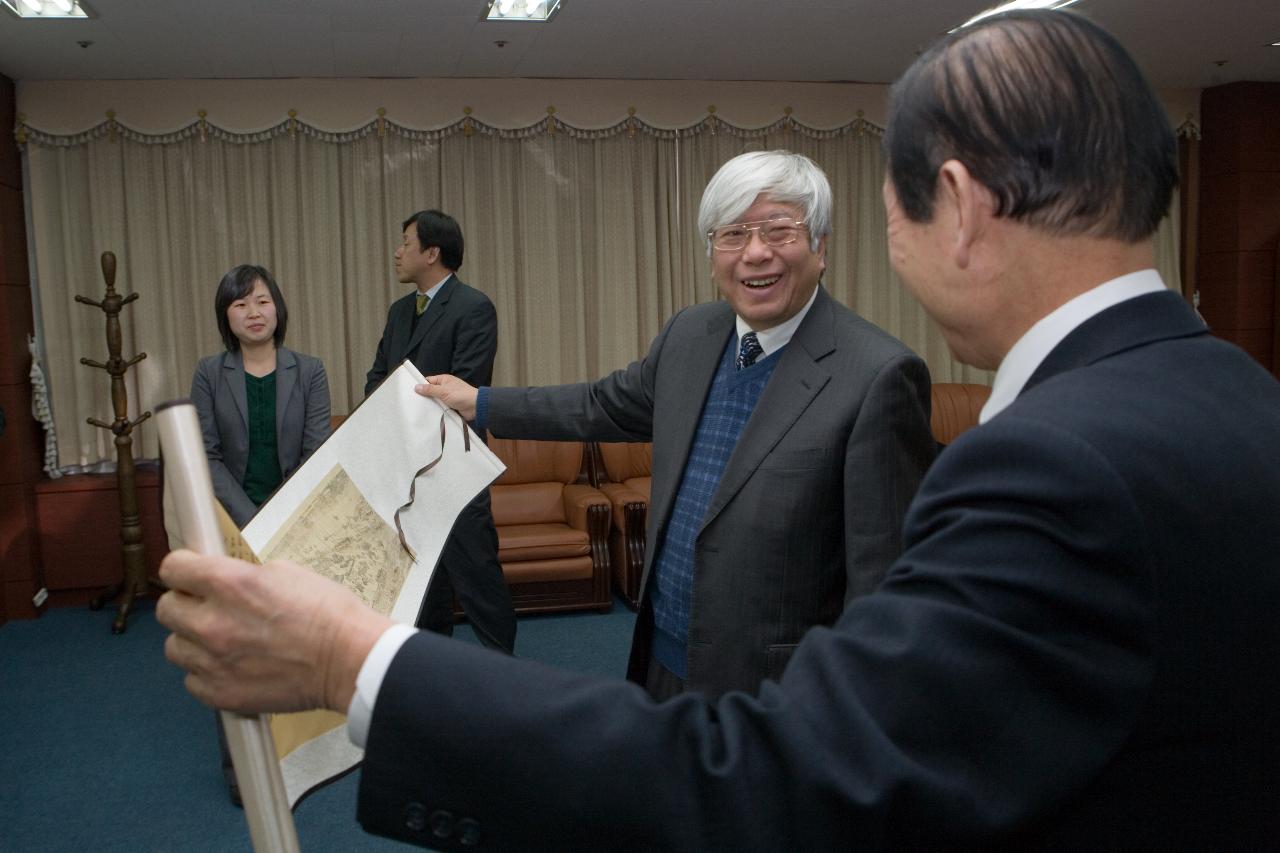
[[1076, 650]]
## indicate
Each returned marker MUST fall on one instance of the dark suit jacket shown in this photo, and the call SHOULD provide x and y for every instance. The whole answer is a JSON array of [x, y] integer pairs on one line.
[[1076, 651], [458, 334], [809, 509], [302, 419]]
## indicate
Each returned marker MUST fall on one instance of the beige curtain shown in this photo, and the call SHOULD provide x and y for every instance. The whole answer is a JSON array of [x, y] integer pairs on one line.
[[585, 240]]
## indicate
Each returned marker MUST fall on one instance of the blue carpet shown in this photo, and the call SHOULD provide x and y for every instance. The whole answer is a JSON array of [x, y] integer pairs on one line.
[[101, 748]]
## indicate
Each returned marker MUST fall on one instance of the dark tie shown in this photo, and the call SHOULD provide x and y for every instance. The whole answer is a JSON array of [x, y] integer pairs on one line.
[[749, 351], [420, 305]]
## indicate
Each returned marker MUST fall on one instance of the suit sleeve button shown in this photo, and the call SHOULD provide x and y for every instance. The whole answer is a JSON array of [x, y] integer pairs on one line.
[[441, 823], [415, 817], [469, 832]]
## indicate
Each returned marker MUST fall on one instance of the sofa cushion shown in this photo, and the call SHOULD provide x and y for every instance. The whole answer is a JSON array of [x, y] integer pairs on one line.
[[531, 461], [624, 460], [541, 571], [528, 503], [541, 542]]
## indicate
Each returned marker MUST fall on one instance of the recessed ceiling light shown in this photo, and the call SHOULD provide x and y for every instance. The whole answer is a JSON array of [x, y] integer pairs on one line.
[[1016, 4], [46, 8], [539, 11]]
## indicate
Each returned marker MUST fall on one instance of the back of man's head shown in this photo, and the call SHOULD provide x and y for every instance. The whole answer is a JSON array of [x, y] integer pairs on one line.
[[1047, 111]]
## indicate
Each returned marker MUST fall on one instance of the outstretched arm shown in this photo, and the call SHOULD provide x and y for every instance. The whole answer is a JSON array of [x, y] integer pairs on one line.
[[1008, 653]]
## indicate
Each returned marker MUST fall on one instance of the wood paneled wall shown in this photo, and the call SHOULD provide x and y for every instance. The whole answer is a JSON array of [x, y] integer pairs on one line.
[[1240, 215], [78, 523], [21, 438]]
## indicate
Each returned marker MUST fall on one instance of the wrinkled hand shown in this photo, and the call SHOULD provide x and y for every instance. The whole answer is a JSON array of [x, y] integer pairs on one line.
[[267, 638], [455, 393]]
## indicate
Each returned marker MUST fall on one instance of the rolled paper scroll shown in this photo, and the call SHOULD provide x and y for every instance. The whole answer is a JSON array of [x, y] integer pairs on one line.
[[253, 754]]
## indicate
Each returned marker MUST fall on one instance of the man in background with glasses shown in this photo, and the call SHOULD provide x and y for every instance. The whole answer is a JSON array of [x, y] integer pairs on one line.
[[788, 434]]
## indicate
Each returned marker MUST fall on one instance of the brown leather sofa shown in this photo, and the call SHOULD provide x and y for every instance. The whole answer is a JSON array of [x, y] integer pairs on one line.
[[625, 477], [956, 406], [553, 526]]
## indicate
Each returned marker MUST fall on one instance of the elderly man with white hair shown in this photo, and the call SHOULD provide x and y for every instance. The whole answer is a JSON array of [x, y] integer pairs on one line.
[[789, 435]]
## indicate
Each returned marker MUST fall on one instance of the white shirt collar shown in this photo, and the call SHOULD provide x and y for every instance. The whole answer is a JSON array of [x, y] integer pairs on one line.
[[780, 335], [439, 284], [1034, 346]]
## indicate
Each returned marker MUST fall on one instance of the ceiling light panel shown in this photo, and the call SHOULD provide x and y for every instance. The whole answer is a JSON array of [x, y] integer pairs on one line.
[[1016, 4], [537, 11], [46, 9]]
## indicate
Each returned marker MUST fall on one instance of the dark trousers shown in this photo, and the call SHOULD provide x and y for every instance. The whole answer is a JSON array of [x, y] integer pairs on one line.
[[469, 567]]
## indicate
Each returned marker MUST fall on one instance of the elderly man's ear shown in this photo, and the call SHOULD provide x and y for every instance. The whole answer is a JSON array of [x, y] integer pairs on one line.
[[965, 207]]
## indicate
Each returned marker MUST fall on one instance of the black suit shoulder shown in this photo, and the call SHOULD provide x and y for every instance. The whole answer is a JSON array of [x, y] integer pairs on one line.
[[400, 304], [464, 293]]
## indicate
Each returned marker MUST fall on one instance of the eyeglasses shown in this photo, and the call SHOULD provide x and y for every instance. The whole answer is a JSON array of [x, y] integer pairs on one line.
[[774, 232]]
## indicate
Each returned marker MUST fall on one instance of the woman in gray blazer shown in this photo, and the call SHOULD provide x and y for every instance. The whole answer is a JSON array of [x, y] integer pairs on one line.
[[263, 408]]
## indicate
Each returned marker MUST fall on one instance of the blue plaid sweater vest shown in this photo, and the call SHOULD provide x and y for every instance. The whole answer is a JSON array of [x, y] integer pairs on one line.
[[733, 396]]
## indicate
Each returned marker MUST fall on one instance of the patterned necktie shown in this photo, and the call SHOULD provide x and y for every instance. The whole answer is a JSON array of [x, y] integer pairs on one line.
[[421, 304], [749, 351]]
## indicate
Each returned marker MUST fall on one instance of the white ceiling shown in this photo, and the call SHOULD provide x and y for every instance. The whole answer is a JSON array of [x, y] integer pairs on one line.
[[1179, 43]]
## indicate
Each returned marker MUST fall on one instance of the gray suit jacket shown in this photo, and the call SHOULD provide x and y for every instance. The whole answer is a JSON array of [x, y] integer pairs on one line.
[[808, 513], [302, 419]]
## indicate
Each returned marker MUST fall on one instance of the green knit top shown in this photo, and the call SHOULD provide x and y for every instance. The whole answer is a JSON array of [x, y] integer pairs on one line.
[[262, 472]]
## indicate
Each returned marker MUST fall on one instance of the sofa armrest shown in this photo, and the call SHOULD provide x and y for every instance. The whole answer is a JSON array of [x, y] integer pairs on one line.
[[587, 509], [620, 494], [629, 508], [578, 500]]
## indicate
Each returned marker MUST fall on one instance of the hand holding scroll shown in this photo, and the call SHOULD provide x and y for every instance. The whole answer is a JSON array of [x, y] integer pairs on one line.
[[455, 393], [267, 638]]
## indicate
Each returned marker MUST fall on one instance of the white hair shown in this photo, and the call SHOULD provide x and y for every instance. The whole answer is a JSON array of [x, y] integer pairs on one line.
[[782, 176]]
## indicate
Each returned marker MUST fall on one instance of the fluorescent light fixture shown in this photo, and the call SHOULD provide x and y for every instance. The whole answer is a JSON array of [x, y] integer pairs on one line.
[[46, 8], [539, 11], [1016, 4]]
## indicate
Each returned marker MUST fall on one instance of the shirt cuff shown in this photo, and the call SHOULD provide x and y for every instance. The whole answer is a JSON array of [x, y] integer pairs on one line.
[[369, 681], [482, 409]]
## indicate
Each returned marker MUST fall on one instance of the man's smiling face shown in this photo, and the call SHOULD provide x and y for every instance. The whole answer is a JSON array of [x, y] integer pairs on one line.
[[768, 285]]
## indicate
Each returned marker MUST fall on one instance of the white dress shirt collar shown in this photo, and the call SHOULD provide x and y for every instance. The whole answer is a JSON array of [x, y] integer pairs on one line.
[[780, 335], [431, 294], [1034, 346]]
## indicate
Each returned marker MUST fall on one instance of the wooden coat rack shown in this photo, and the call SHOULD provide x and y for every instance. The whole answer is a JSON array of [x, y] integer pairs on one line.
[[135, 583]]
